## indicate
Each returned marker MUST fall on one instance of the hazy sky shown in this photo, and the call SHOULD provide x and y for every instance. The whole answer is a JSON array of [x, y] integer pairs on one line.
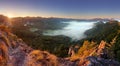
[[61, 8]]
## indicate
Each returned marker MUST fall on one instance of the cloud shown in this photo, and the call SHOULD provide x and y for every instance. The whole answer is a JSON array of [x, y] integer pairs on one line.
[[74, 30]]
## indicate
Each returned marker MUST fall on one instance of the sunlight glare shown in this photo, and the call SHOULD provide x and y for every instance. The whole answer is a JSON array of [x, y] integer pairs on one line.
[[10, 15]]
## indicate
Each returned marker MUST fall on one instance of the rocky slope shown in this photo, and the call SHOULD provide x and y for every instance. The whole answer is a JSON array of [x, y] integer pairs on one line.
[[14, 52], [100, 55]]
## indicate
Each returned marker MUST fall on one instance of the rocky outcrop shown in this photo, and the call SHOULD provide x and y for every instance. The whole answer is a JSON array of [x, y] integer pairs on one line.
[[96, 61], [101, 58], [13, 51]]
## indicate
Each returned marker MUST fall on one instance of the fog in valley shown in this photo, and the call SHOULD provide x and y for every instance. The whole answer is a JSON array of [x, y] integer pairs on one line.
[[74, 29]]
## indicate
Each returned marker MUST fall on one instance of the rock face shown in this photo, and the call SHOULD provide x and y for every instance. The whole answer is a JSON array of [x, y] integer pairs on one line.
[[95, 61], [14, 52]]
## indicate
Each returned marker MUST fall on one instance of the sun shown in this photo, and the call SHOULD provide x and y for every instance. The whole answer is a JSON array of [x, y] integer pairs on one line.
[[10, 15]]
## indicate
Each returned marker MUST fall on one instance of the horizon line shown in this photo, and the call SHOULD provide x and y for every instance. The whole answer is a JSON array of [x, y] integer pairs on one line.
[[59, 17]]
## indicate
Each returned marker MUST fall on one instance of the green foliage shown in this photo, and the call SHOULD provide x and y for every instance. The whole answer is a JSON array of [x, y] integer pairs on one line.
[[116, 48], [57, 45], [103, 31], [118, 55]]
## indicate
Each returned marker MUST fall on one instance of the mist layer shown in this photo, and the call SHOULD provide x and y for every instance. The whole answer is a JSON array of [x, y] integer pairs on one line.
[[74, 30]]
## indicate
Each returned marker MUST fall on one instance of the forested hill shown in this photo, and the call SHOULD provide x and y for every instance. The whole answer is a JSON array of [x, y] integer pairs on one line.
[[15, 52], [109, 32], [101, 47], [103, 31]]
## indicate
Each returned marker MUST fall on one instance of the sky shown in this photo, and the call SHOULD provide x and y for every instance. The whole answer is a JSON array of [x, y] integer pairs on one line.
[[81, 9]]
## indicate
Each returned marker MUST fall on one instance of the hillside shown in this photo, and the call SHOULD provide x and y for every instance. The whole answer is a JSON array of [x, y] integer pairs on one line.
[[99, 48], [14, 52]]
